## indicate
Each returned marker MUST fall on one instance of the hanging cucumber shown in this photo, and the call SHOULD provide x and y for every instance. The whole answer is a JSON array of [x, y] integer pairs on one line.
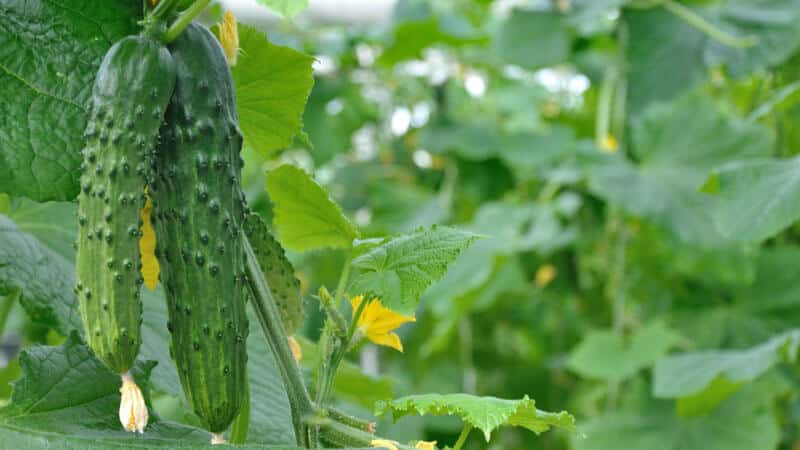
[[129, 97], [198, 211]]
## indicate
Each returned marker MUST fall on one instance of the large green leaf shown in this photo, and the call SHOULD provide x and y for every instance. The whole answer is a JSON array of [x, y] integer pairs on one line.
[[44, 278], [67, 399], [54, 224], [531, 39], [49, 54], [757, 199], [305, 216], [677, 145], [402, 267], [710, 374], [743, 422], [286, 8], [272, 87], [606, 355], [483, 413]]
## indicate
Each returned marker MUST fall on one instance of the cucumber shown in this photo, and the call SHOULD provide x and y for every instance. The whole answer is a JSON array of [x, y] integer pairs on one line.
[[198, 210], [278, 271], [129, 97]]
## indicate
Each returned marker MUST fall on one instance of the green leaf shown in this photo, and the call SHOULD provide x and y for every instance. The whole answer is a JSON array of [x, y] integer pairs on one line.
[[770, 22], [743, 422], [660, 43], [699, 373], [402, 267], [46, 79], [606, 355], [46, 279], [286, 8], [484, 413], [757, 199], [531, 39], [677, 145], [410, 38], [52, 223], [67, 399], [272, 86], [305, 216]]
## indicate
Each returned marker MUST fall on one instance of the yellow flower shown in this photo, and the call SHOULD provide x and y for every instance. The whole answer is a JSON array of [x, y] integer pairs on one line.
[[424, 445], [384, 443], [229, 37], [377, 322], [147, 247], [297, 351], [544, 275], [609, 144], [132, 409]]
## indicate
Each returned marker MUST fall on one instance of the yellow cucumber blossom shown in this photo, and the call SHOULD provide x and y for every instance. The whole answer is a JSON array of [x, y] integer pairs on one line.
[[544, 275], [609, 144], [384, 443], [297, 351], [147, 247], [377, 322], [425, 445], [229, 37], [132, 409]]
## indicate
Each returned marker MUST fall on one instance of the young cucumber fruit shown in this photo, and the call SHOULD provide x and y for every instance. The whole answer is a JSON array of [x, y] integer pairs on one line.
[[198, 211], [278, 271], [129, 97]]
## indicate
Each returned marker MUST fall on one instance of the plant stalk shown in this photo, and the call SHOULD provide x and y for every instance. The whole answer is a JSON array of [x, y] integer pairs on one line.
[[697, 21], [5, 310], [184, 20], [462, 438]]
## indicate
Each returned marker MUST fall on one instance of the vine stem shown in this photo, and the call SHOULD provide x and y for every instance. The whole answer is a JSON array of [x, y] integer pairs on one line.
[[5, 310], [184, 20], [707, 27], [462, 438], [269, 318]]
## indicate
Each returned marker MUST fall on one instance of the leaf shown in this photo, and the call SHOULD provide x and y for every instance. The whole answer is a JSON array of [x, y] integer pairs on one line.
[[665, 56], [305, 216], [54, 224], [743, 422], [410, 38], [402, 267], [272, 86], [677, 145], [700, 373], [531, 39], [46, 80], [757, 199], [606, 355], [770, 22], [286, 8], [67, 399], [46, 280], [484, 413]]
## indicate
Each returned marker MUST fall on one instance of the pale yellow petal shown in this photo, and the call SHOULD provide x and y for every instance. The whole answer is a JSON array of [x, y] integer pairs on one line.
[[229, 37], [387, 339], [384, 443], [425, 445], [147, 248], [132, 408], [297, 351], [545, 274]]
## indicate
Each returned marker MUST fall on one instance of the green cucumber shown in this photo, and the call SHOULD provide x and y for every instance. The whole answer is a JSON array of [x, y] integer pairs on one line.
[[278, 271], [129, 98], [198, 209]]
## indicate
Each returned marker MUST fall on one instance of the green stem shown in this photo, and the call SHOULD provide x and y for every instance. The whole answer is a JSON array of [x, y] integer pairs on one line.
[[343, 278], [269, 318], [184, 20], [5, 310], [347, 419], [462, 438], [707, 27], [604, 103]]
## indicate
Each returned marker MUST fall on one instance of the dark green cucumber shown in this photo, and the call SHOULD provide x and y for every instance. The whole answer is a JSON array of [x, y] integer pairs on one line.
[[278, 271], [198, 211], [129, 97]]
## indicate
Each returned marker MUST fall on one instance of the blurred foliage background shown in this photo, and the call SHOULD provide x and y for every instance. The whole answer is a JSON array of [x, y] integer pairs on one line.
[[577, 135]]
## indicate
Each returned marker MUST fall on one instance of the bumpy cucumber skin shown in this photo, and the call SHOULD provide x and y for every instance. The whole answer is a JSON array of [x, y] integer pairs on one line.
[[278, 271], [129, 97], [198, 213]]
